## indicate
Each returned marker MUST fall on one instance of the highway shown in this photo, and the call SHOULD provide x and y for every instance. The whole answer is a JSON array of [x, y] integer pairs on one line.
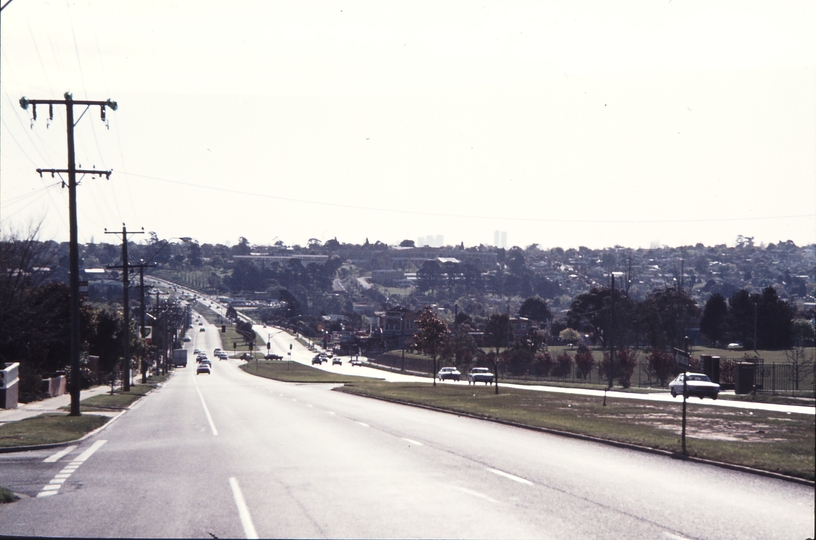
[[232, 455]]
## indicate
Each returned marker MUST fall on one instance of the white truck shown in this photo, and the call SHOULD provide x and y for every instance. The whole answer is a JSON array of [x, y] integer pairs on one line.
[[180, 357]]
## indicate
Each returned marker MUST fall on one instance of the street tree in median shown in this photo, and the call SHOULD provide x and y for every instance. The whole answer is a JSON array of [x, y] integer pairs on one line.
[[431, 335], [497, 334]]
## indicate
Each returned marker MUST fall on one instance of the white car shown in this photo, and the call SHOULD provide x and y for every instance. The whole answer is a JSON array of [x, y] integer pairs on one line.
[[697, 384], [449, 373]]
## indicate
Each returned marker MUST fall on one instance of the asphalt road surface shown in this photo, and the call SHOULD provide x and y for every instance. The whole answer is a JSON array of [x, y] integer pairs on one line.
[[232, 455]]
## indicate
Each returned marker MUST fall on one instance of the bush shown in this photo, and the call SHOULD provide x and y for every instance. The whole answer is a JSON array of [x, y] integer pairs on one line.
[[543, 364], [584, 361], [660, 365], [563, 365]]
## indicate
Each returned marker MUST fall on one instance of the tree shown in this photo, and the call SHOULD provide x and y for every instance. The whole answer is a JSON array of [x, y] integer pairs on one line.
[[407, 243], [660, 365], [429, 277], [536, 309], [569, 335], [714, 319], [584, 361], [497, 334], [431, 334]]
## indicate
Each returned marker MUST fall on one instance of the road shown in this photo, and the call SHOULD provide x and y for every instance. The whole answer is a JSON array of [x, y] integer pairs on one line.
[[233, 455]]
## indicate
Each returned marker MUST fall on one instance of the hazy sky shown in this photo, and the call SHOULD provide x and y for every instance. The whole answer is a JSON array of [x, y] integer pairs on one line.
[[563, 123]]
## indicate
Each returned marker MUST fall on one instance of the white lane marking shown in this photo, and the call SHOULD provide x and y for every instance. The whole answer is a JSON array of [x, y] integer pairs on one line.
[[206, 410], [331, 412], [363, 424], [243, 511], [476, 494], [512, 477], [670, 536], [55, 483], [412, 441], [89, 452], [59, 455]]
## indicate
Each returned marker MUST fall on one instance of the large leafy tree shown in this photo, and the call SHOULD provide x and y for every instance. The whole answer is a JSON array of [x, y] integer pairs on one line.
[[497, 334], [431, 334], [715, 316], [667, 314], [593, 312], [536, 309]]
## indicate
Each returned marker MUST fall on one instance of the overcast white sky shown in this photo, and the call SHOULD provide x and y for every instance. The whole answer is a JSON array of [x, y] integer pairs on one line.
[[563, 123]]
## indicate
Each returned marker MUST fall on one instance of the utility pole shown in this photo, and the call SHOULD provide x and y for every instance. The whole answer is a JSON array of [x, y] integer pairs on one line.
[[72, 211], [126, 302], [612, 334], [141, 266]]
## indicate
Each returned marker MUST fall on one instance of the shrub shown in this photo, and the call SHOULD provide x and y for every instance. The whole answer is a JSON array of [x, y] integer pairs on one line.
[[584, 361], [660, 365], [563, 365]]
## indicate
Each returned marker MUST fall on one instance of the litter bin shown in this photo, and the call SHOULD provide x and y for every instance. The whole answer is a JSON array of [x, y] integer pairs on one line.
[[711, 367], [744, 377]]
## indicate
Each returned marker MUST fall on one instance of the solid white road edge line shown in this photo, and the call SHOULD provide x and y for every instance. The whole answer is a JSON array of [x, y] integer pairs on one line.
[[511, 477], [206, 410], [243, 511]]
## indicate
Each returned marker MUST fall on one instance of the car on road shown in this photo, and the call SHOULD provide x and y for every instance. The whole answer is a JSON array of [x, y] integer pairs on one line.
[[203, 368], [222, 355], [336, 361], [196, 351], [187, 339], [697, 384], [356, 362], [480, 374], [317, 361], [216, 351], [449, 373], [202, 329], [273, 357]]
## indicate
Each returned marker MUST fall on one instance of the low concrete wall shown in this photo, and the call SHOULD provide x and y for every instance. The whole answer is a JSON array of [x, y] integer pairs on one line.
[[56, 386]]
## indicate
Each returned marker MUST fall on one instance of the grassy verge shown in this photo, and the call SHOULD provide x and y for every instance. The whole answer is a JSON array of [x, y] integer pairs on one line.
[[48, 429], [118, 400], [6, 496], [776, 442], [230, 336], [298, 373]]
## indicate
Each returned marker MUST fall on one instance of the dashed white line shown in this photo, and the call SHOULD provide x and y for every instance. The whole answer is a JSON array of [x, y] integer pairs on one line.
[[206, 410], [511, 477], [55, 483], [476, 494], [411, 441], [363, 424], [243, 511], [59, 455]]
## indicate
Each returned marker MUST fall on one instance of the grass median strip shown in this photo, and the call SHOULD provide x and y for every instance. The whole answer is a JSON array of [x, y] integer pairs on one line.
[[776, 442], [297, 373]]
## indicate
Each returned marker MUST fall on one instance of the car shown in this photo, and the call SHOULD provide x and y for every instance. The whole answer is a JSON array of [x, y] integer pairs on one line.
[[449, 373], [697, 384], [203, 368], [202, 329], [222, 355], [323, 357], [734, 346], [480, 374], [187, 339], [216, 351], [317, 360], [336, 361], [356, 362], [196, 351], [273, 357]]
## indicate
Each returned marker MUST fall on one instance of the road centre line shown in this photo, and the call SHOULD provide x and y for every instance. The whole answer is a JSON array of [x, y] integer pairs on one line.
[[475, 494], [511, 477], [206, 410], [243, 511], [363, 424], [60, 454]]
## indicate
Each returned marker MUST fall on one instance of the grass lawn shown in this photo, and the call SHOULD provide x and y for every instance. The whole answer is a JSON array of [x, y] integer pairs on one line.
[[48, 429], [776, 442], [117, 401], [298, 373]]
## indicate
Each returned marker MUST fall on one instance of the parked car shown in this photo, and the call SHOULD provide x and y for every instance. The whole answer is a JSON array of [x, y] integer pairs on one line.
[[336, 361], [203, 368], [480, 374], [449, 373], [697, 384]]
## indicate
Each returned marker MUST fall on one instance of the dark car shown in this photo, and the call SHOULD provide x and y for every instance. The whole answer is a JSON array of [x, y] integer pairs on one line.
[[697, 384], [317, 361], [480, 374]]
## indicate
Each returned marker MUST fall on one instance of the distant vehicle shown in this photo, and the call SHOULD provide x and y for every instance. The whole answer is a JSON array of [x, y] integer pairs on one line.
[[202, 329], [196, 351], [187, 339], [317, 361], [203, 368], [697, 384], [322, 357], [216, 351], [180, 357], [356, 362], [734, 346], [449, 373], [480, 374], [336, 361], [273, 357], [222, 355]]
